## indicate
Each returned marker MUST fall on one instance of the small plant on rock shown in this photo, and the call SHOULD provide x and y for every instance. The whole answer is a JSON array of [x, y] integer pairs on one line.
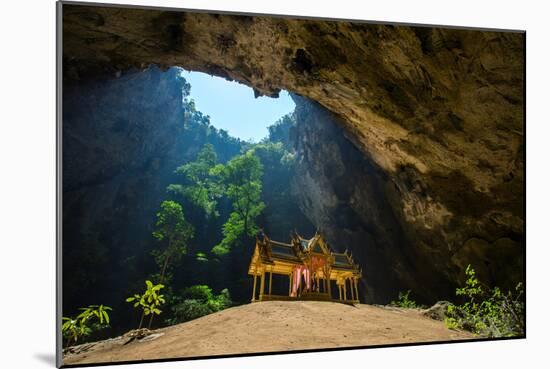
[[92, 319], [403, 301], [148, 302]]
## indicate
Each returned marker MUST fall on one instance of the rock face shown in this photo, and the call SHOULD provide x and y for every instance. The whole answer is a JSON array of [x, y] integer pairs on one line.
[[117, 162], [359, 207], [437, 311], [348, 198], [437, 115]]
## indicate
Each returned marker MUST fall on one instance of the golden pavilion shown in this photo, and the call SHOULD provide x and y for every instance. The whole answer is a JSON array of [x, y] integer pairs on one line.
[[312, 268]]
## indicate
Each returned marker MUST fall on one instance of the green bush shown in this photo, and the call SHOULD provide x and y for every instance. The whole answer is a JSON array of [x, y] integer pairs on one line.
[[487, 312], [92, 319], [403, 301], [197, 301]]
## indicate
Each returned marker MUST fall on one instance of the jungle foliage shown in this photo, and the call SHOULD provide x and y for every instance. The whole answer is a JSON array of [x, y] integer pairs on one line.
[[242, 177], [485, 311], [205, 182], [202, 183], [197, 301]]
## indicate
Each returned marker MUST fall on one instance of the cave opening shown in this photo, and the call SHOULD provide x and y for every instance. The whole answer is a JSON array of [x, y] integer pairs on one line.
[[387, 161], [234, 107]]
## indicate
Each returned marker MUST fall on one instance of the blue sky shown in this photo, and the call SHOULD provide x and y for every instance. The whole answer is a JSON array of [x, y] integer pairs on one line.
[[232, 106]]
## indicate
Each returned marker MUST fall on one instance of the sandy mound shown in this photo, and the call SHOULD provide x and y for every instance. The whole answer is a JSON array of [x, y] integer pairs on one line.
[[273, 326]]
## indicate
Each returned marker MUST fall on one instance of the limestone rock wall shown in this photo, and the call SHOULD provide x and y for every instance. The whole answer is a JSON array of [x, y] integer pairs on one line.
[[358, 207]]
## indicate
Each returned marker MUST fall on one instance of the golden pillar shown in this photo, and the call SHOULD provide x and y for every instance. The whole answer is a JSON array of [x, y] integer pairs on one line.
[[317, 284], [356, 291], [262, 285], [352, 289], [270, 281], [254, 289], [328, 283], [289, 284], [345, 290]]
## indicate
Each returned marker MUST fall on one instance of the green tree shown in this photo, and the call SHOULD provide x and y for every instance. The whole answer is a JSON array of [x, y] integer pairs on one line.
[[148, 302], [201, 181], [174, 231], [242, 176]]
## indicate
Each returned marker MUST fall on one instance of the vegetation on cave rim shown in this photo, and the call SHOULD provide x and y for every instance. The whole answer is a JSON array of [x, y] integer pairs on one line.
[[484, 311]]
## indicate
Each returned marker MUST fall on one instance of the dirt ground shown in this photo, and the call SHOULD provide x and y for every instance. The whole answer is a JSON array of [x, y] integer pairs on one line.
[[273, 326]]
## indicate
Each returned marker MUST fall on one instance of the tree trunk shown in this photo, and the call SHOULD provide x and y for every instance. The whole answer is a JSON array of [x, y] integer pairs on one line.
[[163, 271], [141, 320], [150, 321]]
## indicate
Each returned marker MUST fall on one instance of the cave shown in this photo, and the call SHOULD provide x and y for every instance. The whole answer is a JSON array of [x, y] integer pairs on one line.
[[410, 140]]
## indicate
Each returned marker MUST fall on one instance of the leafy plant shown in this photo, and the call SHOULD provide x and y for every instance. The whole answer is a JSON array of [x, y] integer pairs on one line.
[[487, 312], [197, 301], [98, 311], [403, 301], [232, 229], [148, 302], [92, 318], [201, 256]]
